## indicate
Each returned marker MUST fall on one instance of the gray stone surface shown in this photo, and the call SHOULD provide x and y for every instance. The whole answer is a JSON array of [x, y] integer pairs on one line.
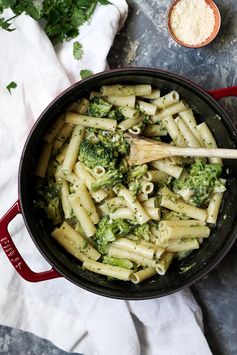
[[145, 41], [16, 342]]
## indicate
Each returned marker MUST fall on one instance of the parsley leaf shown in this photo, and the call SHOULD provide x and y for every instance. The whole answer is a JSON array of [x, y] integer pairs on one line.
[[104, 2], [84, 73], [62, 18], [28, 7], [4, 24], [11, 85], [77, 50]]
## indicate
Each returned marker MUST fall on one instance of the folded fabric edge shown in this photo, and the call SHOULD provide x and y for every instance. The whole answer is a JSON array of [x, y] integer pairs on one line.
[[53, 324]]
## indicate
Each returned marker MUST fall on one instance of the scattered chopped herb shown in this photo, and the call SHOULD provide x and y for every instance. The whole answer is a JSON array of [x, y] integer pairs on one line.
[[104, 2], [77, 50], [4, 24], [84, 73], [11, 85], [85, 244]]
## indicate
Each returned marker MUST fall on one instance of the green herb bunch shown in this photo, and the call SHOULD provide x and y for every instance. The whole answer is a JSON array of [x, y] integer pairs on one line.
[[62, 17]]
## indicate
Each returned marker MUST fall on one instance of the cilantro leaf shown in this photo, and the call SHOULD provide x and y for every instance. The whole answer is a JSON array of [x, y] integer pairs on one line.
[[28, 7], [77, 50], [91, 9], [5, 25], [84, 73], [104, 2], [11, 85], [62, 18], [6, 3]]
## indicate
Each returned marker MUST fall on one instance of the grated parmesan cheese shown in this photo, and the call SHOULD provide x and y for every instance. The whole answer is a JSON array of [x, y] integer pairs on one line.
[[192, 21]]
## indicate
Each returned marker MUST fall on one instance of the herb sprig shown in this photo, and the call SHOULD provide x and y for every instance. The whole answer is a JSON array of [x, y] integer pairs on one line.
[[10, 86], [62, 17], [77, 50], [84, 73]]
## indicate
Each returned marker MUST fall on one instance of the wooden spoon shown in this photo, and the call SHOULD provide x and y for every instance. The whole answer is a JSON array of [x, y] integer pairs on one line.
[[144, 150]]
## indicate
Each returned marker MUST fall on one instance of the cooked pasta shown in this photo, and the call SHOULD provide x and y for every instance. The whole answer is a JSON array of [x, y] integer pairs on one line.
[[122, 101], [108, 270], [156, 130], [43, 161], [147, 108], [128, 223], [126, 90], [167, 100], [151, 202], [164, 262], [62, 136], [155, 94], [185, 208], [129, 122], [82, 215], [166, 167], [170, 110], [189, 119], [133, 204], [67, 234], [208, 140], [82, 106], [174, 131], [73, 149], [67, 209], [135, 130], [213, 207], [136, 247], [143, 274], [90, 121], [189, 137], [54, 130]]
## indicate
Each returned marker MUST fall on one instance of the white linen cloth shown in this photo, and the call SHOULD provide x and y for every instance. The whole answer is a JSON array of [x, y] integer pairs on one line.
[[73, 319]]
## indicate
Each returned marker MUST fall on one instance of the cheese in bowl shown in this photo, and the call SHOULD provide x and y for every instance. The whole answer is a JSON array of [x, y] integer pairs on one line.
[[193, 23]]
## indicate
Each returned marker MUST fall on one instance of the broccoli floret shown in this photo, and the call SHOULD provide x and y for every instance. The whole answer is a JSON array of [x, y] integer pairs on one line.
[[52, 168], [183, 254], [53, 211], [136, 172], [219, 186], [127, 264], [116, 114], [158, 139], [98, 107], [96, 153], [105, 151], [111, 178], [135, 187], [170, 215], [146, 118], [49, 201], [143, 232], [109, 230], [114, 140], [200, 180]]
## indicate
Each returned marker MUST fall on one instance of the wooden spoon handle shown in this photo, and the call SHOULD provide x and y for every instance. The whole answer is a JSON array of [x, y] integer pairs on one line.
[[145, 150], [201, 152]]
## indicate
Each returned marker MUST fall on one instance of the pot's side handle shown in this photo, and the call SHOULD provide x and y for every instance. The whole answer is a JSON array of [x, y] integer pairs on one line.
[[220, 93], [14, 256]]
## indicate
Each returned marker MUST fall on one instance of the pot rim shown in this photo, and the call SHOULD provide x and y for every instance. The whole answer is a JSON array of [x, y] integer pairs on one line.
[[99, 289]]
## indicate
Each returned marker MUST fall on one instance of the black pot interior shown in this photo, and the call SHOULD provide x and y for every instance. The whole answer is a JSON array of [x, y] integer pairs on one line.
[[181, 273]]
